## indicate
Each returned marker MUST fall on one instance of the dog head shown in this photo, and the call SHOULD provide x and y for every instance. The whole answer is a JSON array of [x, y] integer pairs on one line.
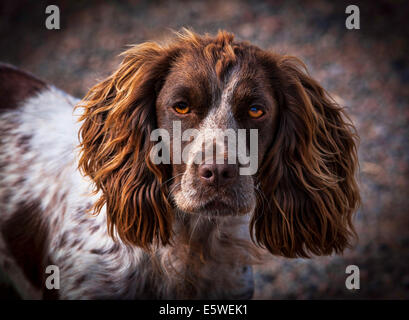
[[294, 172]]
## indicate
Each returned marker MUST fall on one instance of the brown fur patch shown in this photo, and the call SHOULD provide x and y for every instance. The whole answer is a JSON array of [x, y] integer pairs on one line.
[[17, 86], [26, 237]]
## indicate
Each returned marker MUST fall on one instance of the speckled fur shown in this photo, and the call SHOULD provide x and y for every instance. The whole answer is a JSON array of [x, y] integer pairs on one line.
[[38, 164]]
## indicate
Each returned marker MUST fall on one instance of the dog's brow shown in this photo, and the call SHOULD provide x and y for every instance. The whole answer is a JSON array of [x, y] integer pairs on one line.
[[249, 91], [181, 91]]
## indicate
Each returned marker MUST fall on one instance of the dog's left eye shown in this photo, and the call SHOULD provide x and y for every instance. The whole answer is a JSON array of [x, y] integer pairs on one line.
[[255, 112], [182, 108]]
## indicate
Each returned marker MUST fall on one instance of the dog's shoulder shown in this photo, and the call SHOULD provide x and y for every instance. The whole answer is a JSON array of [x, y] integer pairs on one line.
[[16, 86]]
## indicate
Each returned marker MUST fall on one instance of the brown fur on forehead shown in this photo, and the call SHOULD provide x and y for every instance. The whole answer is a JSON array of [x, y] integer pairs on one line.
[[213, 57], [253, 87], [190, 83]]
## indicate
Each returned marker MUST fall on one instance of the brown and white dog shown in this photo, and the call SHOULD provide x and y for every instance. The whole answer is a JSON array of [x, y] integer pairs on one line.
[[170, 230]]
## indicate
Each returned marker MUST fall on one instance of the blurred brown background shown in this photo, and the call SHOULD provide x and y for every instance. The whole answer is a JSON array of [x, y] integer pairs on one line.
[[367, 68]]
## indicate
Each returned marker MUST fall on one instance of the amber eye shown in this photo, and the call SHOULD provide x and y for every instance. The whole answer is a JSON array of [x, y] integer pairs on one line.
[[255, 112], [182, 108]]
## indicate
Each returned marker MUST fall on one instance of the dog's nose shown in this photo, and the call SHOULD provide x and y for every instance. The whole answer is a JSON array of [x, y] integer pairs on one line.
[[218, 174]]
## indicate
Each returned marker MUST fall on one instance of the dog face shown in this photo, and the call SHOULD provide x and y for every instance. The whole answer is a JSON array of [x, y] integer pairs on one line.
[[302, 192], [216, 92]]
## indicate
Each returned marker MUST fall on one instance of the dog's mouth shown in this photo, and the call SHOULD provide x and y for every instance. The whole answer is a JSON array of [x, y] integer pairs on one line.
[[218, 206], [213, 202]]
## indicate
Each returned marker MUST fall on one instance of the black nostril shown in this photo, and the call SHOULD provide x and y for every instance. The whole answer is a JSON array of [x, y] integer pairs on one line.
[[226, 174], [207, 174], [220, 174]]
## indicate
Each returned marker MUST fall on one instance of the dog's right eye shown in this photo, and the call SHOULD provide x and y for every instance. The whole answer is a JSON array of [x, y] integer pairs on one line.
[[182, 108]]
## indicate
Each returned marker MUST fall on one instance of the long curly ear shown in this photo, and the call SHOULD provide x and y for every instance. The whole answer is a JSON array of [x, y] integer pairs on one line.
[[308, 174], [118, 117]]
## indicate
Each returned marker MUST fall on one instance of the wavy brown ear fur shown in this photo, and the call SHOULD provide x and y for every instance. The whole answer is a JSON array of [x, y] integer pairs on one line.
[[308, 175], [119, 115]]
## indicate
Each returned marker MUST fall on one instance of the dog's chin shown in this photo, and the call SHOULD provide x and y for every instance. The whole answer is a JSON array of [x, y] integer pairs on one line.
[[214, 208]]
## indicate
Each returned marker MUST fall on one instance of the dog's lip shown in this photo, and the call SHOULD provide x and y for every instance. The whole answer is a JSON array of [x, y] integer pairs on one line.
[[213, 204], [219, 207]]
